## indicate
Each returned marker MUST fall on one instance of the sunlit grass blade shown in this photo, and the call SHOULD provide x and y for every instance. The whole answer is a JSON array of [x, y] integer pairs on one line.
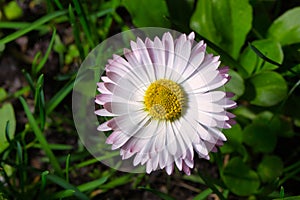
[[67, 167], [92, 184], [33, 26], [160, 194], [59, 96], [40, 137], [42, 62], [281, 193], [117, 182], [63, 194], [43, 180], [203, 195], [64, 184], [20, 25], [57, 147]]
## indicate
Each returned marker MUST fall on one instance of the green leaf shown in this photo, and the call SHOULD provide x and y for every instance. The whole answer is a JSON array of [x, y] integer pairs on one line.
[[253, 64], [270, 168], [224, 22], [235, 85], [286, 28], [7, 114], [280, 125], [269, 89], [234, 139], [239, 178], [148, 13], [260, 137]]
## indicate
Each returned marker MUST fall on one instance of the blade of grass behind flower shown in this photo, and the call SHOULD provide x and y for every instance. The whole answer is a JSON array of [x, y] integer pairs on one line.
[[32, 26], [40, 137]]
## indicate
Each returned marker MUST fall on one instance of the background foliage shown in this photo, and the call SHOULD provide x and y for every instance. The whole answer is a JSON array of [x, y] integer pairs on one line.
[[42, 44]]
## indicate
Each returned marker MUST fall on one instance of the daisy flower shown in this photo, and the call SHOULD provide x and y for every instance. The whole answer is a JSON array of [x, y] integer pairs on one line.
[[165, 101]]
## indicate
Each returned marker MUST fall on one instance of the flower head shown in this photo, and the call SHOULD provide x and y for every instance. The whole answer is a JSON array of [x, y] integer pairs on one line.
[[165, 101]]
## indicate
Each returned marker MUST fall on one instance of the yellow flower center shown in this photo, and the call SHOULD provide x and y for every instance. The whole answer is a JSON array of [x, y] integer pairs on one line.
[[164, 100]]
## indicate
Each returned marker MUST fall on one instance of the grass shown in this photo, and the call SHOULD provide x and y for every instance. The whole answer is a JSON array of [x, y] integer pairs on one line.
[[44, 157]]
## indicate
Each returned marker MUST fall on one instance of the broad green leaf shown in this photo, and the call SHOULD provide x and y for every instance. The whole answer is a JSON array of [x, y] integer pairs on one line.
[[280, 125], [7, 114], [260, 137], [286, 28], [253, 64], [235, 85], [269, 89], [239, 178], [270, 168], [234, 141], [148, 13], [224, 22], [202, 21]]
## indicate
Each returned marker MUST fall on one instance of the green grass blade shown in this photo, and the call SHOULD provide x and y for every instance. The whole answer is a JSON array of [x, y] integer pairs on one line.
[[43, 180], [7, 131], [212, 186], [63, 183], [92, 185], [29, 81], [59, 96], [63, 194], [67, 167], [203, 195], [40, 137], [83, 21], [38, 68], [20, 25], [33, 26], [76, 32]]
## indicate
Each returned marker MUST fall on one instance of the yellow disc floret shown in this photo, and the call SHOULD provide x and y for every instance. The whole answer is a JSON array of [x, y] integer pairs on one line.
[[164, 100]]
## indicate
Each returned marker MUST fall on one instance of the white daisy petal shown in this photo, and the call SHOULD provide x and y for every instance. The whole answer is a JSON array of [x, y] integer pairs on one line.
[[164, 99]]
